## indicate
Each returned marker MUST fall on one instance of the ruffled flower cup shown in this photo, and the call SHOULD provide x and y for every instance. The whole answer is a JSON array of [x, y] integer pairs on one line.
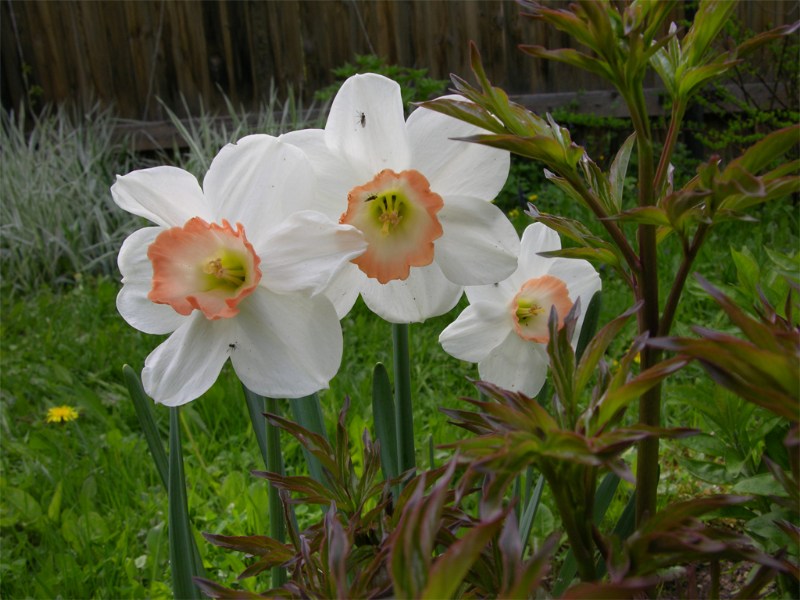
[[420, 198], [232, 271], [505, 327]]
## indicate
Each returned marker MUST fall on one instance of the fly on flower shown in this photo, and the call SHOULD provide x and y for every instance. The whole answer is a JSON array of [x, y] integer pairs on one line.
[[421, 199], [505, 328], [232, 271]]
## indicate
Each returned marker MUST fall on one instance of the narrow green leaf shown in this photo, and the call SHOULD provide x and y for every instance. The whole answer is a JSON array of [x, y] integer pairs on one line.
[[620, 397], [594, 255], [144, 411], [181, 556], [645, 215], [54, 509], [572, 57], [274, 460], [765, 151], [308, 414], [256, 408], [383, 412], [402, 387], [589, 327], [528, 516]]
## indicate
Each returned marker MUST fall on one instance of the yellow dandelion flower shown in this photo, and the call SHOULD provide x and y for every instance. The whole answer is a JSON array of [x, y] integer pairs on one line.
[[533, 197], [513, 213], [61, 414]]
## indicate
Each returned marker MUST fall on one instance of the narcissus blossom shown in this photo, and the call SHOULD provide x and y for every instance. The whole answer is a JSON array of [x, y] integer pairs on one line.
[[231, 271], [421, 199], [504, 329]]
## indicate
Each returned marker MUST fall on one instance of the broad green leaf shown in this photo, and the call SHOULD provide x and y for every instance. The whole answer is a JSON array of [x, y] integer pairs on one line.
[[383, 411], [763, 484], [54, 509], [18, 508]]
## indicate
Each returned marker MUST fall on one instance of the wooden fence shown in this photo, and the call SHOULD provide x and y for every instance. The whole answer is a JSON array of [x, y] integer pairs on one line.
[[129, 53]]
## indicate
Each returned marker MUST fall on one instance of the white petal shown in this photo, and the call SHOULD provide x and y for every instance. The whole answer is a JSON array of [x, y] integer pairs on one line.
[[516, 365], [536, 238], [137, 281], [188, 363], [307, 251], [479, 244], [258, 182], [382, 141], [167, 196], [476, 332], [451, 166], [286, 346], [344, 288], [426, 293], [495, 293], [335, 176]]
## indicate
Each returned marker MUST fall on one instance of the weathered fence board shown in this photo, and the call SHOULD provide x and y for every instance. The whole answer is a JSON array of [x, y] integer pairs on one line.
[[130, 53]]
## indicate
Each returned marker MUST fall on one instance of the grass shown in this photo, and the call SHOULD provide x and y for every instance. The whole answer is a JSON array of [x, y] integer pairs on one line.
[[83, 512]]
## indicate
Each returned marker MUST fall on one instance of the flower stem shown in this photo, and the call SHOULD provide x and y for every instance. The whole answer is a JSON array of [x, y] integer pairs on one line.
[[647, 471], [268, 437], [277, 528], [402, 391], [181, 556]]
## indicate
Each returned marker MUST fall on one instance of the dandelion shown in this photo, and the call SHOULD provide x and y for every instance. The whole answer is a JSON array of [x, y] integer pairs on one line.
[[420, 198], [233, 271], [505, 328], [61, 414]]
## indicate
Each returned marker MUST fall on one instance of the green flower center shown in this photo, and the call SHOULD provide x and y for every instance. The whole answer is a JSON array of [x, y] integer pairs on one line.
[[388, 209], [226, 271]]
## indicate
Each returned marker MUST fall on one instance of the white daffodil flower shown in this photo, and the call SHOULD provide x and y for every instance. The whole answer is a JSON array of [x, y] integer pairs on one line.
[[504, 329], [232, 272], [421, 199]]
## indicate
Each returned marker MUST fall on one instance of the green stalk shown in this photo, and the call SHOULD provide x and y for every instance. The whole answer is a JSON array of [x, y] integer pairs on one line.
[[181, 540], [678, 110], [144, 411], [647, 470], [402, 391], [268, 437], [277, 527]]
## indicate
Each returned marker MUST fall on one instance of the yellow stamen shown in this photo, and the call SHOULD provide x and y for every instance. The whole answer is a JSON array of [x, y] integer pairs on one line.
[[527, 310], [233, 275]]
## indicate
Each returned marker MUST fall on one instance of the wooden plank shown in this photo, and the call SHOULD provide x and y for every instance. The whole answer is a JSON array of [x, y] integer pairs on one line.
[[81, 50]]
